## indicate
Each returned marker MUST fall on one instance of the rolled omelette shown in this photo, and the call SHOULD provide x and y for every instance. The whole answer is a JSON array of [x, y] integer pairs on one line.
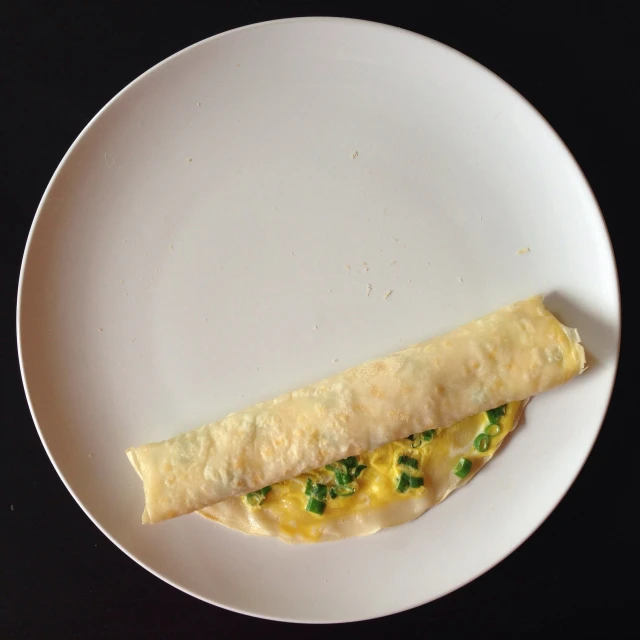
[[507, 356], [374, 500]]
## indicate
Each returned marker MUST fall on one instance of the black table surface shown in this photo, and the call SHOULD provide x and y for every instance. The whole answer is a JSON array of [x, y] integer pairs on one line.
[[61, 62]]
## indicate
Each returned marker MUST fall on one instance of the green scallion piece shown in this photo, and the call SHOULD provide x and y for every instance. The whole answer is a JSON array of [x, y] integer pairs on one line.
[[359, 469], [344, 491], [253, 499], [314, 490], [403, 482], [350, 462], [493, 429], [416, 440], [416, 481], [462, 468], [428, 436], [315, 506], [308, 488], [495, 414], [343, 478], [330, 467], [481, 443], [408, 461], [256, 498], [333, 493]]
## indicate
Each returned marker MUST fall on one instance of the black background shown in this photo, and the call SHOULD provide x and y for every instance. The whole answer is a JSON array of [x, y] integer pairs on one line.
[[60, 62]]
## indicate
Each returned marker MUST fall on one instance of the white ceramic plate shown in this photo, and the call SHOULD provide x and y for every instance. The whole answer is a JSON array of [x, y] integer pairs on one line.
[[188, 259]]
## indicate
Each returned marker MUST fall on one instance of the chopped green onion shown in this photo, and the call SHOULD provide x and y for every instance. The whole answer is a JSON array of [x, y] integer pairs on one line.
[[403, 482], [493, 429], [333, 493], [495, 414], [418, 439], [350, 462], [308, 488], [344, 491], [481, 443], [416, 481], [314, 490], [315, 506], [256, 498], [408, 461], [462, 468], [346, 470], [359, 469]]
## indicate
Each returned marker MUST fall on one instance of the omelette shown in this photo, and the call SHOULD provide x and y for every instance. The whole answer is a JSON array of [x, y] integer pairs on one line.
[[372, 447], [360, 495]]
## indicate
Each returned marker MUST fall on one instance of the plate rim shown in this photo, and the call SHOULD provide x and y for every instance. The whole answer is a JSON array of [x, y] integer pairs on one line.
[[357, 22]]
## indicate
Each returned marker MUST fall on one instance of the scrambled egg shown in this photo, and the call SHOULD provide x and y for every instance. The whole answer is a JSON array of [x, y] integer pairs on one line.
[[437, 461]]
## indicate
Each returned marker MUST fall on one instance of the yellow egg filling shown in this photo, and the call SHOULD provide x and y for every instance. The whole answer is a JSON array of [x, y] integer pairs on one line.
[[428, 458]]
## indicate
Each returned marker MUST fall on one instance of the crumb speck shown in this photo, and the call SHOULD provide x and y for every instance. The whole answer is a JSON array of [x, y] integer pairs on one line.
[[409, 280], [395, 239], [315, 327], [369, 287], [347, 267], [354, 155], [392, 263], [12, 509], [291, 252], [121, 281], [335, 360], [199, 103], [365, 266], [522, 251], [133, 340], [480, 218], [387, 294], [330, 291], [100, 329], [460, 280], [170, 247], [90, 455], [188, 159]]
